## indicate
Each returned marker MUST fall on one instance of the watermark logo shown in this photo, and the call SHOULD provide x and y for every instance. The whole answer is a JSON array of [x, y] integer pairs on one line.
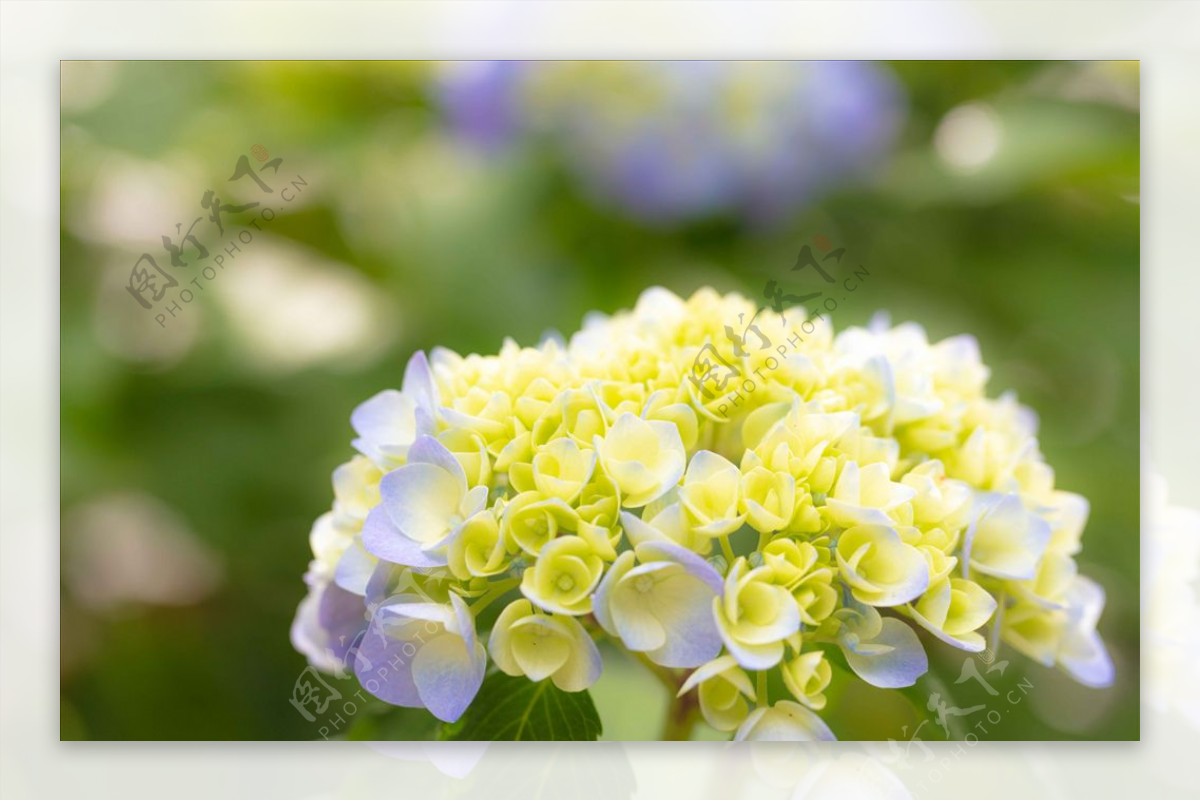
[[712, 374], [312, 695], [152, 285], [320, 702], [965, 726]]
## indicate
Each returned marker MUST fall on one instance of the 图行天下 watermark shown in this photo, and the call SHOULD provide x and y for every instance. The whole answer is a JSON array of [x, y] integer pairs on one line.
[[165, 292], [332, 708], [712, 373], [965, 726]]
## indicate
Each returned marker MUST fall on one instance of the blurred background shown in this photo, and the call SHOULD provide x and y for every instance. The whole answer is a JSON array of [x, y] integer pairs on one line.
[[390, 207]]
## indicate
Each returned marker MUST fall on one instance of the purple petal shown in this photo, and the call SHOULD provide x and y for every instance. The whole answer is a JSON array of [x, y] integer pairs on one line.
[[690, 642], [382, 537], [900, 666], [426, 421], [695, 564], [448, 675], [342, 615], [383, 665], [426, 449], [419, 383], [379, 586], [309, 638]]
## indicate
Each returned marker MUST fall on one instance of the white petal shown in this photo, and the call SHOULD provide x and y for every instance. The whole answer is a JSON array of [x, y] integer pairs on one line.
[[851, 514], [847, 487], [385, 424], [500, 641], [639, 531], [1084, 657], [354, 569], [1006, 540], [785, 721], [899, 666], [584, 665], [1082, 653], [716, 667], [632, 608], [423, 501], [602, 598]]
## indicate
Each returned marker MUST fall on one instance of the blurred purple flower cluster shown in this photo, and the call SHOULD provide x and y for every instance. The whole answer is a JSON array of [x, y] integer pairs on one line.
[[673, 141]]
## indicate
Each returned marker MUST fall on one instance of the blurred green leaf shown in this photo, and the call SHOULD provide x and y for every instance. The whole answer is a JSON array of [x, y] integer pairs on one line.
[[380, 721]]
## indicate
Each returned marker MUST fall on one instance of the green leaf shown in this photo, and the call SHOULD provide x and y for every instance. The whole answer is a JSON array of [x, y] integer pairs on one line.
[[377, 720], [515, 708]]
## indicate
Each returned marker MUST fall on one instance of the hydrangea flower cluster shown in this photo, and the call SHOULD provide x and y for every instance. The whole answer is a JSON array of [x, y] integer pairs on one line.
[[670, 141], [861, 488]]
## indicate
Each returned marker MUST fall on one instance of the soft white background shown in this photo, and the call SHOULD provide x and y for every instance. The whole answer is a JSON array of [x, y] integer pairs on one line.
[[34, 36]]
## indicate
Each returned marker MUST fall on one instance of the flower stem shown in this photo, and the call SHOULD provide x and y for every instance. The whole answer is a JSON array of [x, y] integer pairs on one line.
[[727, 549], [763, 538], [500, 588], [682, 710], [682, 715]]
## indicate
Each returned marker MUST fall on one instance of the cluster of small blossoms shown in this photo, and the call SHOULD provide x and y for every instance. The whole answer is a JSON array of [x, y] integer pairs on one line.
[[666, 142], [864, 490]]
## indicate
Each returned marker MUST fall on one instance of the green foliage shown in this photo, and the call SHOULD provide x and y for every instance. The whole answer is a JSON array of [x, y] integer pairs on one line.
[[378, 721], [515, 708]]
